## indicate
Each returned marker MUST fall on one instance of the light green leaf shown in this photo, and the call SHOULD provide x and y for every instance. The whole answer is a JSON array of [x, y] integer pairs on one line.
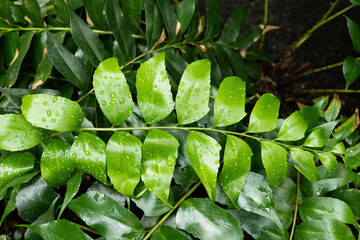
[[154, 23], [112, 92], [264, 114], [86, 39], [168, 233], [169, 17], [351, 70], [33, 12], [230, 102], [193, 94], [50, 112], [213, 22], [204, 220], [274, 159], [184, 11], [237, 164], [154, 90], [323, 230], [107, 217], [204, 154], [17, 134], [333, 109], [345, 129], [88, 154], [15, 166], [293, 128], [339, 148], [56, 164], [318, 208], [315, 139], [354, 30], [328, 160], [123, 159], [305, 163], [159, 154]]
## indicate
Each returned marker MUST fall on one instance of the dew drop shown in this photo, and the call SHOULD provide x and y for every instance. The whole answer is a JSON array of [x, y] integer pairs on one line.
[[103, 103], [171, 160], [45, 102], [102, 92], [130, 96], [48, 113], [112, 102], [53, 120], [55, 99], [113, 95], [74, 155], [158, 160], [197, 89], [87, 153], [43, 119]]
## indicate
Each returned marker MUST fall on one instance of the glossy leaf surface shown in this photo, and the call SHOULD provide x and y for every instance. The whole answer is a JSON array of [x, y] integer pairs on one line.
[[328, 160], [293, 128], [345, 129], [315, 139], [50, 112], [112, 91], [203, 152], [167, 233], [354, 30], [305, 163], [351, 70], [333, 109]]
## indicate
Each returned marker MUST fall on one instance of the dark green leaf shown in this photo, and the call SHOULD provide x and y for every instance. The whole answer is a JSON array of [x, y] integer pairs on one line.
[[315, 139], [154, 90], [286, 193], [223, 61], [123, 159], [18, 134], [107, 217], [88, 153], [5, 11], [305, 163], [293, 128], [10, 206], [355, 2], [264, 115], [54, 113], [176, 65], [193, 94], [112, 91], [327, 128], [109, 191], [168, 233], [205, 220], [351, 70], [185, 11], [95, 9], [333, 109], [154, 23], [345, 129], [328, 160], [87, 40], [159, 154], [323, 230], [119, 27], [132, 13], [354, 30], [203, 152], [169, 17], [62, 13], [32, 11], [351, 197], [213, 22], [237, 163], [246, 39]]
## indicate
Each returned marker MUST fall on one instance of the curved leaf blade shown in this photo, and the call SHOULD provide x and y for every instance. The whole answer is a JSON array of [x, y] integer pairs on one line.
[[17, 134], [50, 112], [328, 160], [123, 159], [315, 139], [159, 154], [154, 23], [193, 93], [169, 17], [32, 10], [167, 233], [184, 12], [351, 70], [305, 163], [264, 114], [154, 90], [345, 129], [333, 109], [213, 22], [204, 155], [293, 128], [354, 30], [230, 102], [112, 91]]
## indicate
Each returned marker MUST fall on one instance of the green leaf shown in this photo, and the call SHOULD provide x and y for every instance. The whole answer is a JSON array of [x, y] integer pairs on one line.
[[17, 134], [88, 154], [323, 230], [257, 197], [351, 197], [16, 182], [274, 158], [354, 30], [119, 27], [123, 159], [230, 102], [293, 128], [100, 188], [61, 229], [184, 12], [62, 13], [352, 156], [15, 65], [95, 10], [264, 114], [204, 154], [107, 217], [112, 92], [233, 25], [168, 233], [237, 164], [86, 39], [315, 139], [169, 17], [286, 193], [193, 94], [15, 166], [68, 65], [213, 22], [159, 154], [56, 164], [34, 198], [132, 13], [355, 2], [204, 220], [246, 39], [50, 112], [32, 11], [333, 109], [351, 70], [328, 160], [345, 129], [318, 208], [305, 163], [10, 206], [154, 90], [72, 187], [154, 23], [339, 148]]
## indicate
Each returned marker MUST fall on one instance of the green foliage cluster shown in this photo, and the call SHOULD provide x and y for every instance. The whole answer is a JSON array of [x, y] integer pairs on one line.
[[164, 117]]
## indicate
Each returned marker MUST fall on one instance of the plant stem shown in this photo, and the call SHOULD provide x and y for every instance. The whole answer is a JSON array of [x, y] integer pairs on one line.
[[330, 10], [167, 215], [85, 228], [304, 37], [329, 91], [296, 207], [85, 95], [265, 23]]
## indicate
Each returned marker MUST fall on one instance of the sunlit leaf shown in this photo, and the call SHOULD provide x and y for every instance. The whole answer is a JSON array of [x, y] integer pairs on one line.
[[293, 128], [345, 129], [333, 109], [315, 139], [328, 160], [305, 163], [10, 206]]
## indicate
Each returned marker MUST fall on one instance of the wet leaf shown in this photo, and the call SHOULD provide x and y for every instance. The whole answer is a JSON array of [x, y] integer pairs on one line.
[[16, 182], [315, 139], [328, 160], [293, 128], [54, 113], [349, 196], [193, 93], [154, 90], [305, 163], [345, 129], [168, 233], [112, 92]]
